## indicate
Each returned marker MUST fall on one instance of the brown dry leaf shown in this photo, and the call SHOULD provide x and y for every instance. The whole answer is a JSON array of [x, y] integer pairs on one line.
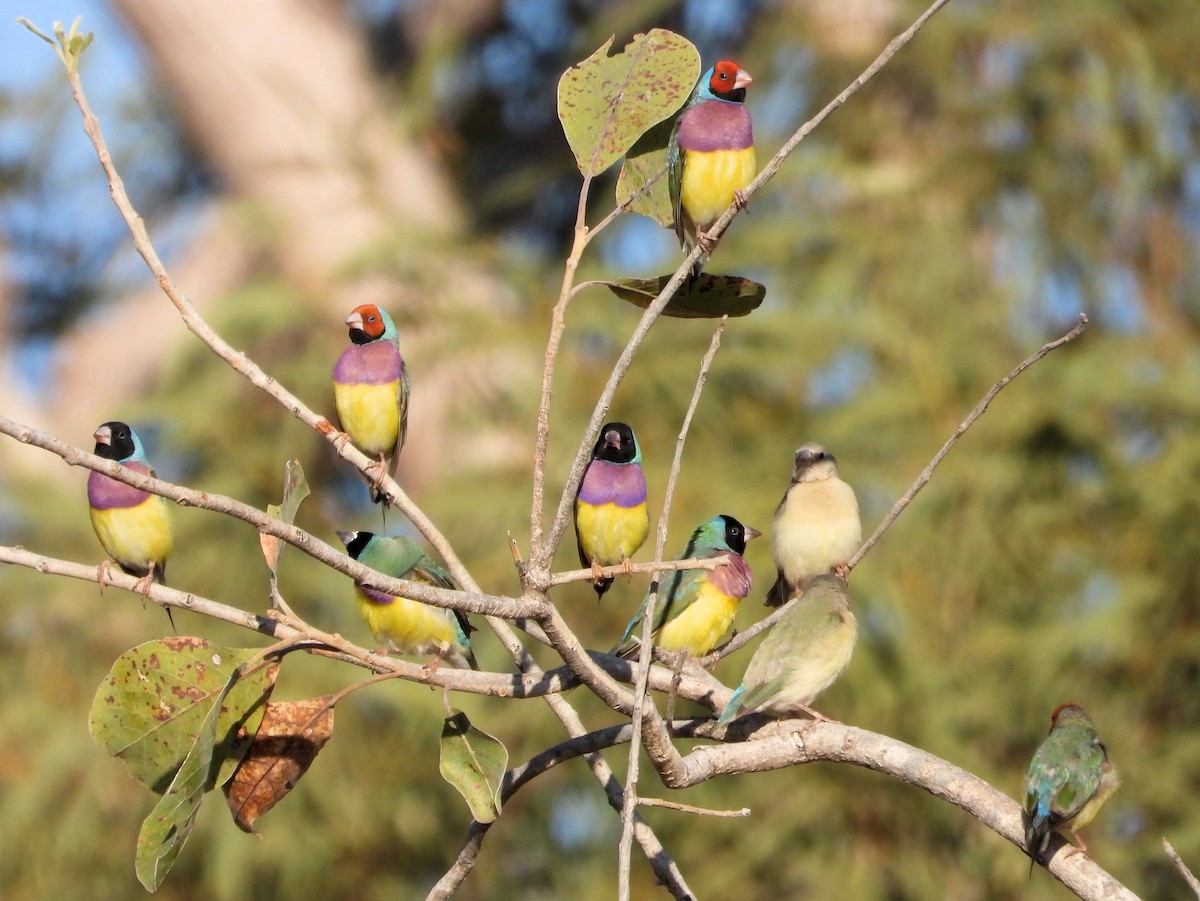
[[290, 737]]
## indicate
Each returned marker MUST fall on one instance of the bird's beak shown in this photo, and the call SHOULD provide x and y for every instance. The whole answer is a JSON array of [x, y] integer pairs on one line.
[[103, 435], [346, 537], [612, 439], [355, 320], [752, 533], [742, 79]]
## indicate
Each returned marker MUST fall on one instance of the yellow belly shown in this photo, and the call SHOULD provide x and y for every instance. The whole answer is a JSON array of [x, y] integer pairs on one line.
[[409, 627], [370, 414], [710, 180], [610, 534], [136, 537], [699, 628]]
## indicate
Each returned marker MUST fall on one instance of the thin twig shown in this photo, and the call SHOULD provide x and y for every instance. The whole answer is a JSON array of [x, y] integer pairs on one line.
[[688, 808], [558, 324], [927, 472], [620, 569], [643, 706], [741, 639], [1188, 876]]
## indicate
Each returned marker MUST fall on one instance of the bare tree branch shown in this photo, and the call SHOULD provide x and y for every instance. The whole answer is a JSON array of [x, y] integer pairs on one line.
[[980, 408], [1188, 876]]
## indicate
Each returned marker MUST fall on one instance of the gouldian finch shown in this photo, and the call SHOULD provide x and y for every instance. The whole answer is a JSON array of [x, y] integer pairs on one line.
[[816, 527], [1070, 778], [695, 607], [370, 389], [611, 521], [802, 655], [710, 157], [132, 525], [409, 627]]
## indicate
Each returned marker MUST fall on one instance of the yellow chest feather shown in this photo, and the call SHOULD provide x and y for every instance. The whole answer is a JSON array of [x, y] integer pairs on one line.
[[370, 414], [710, 180], [699, 628], [610, 534], [408, 626], [135, 536]]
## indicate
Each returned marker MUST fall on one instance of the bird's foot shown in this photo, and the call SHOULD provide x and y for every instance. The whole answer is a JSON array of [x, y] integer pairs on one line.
[[340, 439], [842, 570], [377, 472], [597, 573], [740, 200], [432, 666], [1078, 842], [817, 716], [102, 572], [627, 568], [142, 585], [706, 241]]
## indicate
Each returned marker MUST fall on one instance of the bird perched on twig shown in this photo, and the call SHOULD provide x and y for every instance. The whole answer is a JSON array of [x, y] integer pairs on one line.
[[404, 625], [611, 521], [133, 525], [710, 156], [1070, 778], [802, 655], [696, 607], [816, 527], [370, 390]]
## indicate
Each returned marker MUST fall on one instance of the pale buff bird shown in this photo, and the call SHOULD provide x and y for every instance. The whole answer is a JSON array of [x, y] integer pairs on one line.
[[816, 528], [802, 655]]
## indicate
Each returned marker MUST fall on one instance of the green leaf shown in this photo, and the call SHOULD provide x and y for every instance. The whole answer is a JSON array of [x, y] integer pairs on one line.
[[645, 161], [474, 763], [702, 297], [168, 826], [606, 103], [295, 490], [154, 701]]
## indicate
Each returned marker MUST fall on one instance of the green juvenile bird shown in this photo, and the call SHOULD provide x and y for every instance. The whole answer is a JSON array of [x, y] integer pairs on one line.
[[1070, 778], [802, 655], [404, 625], [696, 606]]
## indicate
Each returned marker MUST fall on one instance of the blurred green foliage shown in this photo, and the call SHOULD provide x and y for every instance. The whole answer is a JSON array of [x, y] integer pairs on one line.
[[1020, 162]]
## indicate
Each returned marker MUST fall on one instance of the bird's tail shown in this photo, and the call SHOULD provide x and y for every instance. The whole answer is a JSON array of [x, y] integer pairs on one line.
[[731, 709]]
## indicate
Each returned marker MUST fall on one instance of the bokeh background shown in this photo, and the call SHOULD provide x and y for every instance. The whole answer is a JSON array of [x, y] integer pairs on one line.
[[1022, 161]]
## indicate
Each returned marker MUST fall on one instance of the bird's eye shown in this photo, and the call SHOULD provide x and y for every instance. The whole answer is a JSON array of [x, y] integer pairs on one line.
[[123, 434], [724, 76]]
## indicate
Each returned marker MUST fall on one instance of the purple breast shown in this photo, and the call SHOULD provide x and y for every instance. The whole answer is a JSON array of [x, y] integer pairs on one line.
[[733, 579], [377, 363], [375, 596], [716, 125], [613, 483], [105, 493]]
